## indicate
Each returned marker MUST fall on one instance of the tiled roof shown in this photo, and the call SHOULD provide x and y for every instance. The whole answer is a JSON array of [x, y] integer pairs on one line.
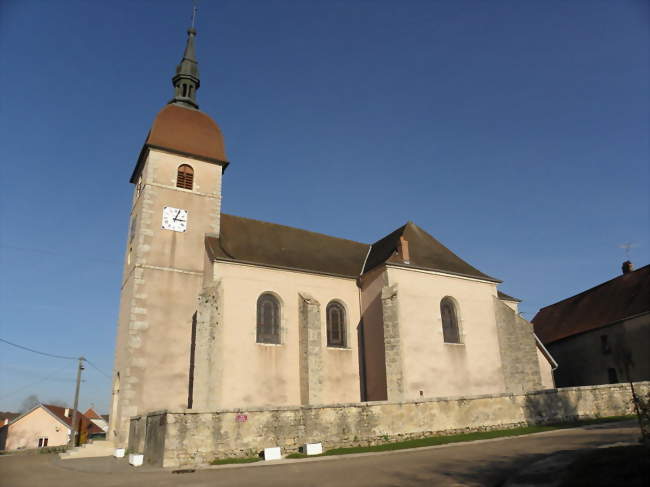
[[257, 242], [425, 253], [507, 297], [59, 412], [7, 415], [91, 414], [619, 298]]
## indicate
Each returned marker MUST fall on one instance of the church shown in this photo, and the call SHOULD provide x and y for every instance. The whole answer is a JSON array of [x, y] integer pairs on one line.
[[224, 312]]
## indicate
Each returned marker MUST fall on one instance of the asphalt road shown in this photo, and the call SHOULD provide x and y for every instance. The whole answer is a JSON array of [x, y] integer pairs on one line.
[[483, 463]]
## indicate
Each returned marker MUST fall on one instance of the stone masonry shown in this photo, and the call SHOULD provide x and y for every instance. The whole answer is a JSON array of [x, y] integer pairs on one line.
[[138, 331], [189, 437], [206, 357], [310, 350], [392, 343], [518, 351]]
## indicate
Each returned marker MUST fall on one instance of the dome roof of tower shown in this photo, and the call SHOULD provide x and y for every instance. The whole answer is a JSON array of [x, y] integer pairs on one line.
[[187, 132]]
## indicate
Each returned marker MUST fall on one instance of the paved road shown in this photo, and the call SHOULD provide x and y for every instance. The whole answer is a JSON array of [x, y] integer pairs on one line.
[[485, 463]]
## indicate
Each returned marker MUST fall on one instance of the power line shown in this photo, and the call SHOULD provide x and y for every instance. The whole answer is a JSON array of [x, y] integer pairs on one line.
[[36, 351], [98, 369], [108, 376], [33, 383]]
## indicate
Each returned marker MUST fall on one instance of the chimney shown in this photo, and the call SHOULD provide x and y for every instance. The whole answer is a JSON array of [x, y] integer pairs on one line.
[[627, 267], [66, 413], [403, 250]]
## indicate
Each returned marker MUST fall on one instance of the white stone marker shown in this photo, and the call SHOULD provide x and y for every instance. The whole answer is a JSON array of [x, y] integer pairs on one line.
[[313, 448], [119, 453], [136, 459], [272, 453]]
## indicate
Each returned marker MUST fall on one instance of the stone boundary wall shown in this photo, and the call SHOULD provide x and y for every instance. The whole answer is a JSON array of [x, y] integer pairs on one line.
[[190, 437]]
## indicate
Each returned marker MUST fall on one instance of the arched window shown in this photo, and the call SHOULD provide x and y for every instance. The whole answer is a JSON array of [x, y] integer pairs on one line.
[[268, 319], [185, 177], [449, 316], [335, 325]]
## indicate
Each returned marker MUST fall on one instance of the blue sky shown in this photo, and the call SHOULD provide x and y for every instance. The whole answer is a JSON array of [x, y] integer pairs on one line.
[[516, 132]]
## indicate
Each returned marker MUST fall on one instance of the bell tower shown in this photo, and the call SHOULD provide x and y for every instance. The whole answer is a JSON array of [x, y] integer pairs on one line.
[[176, 201]]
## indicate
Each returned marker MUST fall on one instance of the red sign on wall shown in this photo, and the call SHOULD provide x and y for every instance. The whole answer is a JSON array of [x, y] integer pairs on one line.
[[241, 418]]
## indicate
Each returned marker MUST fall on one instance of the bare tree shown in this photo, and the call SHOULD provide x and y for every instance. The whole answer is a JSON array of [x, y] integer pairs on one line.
[[58, 402], [29, 402]]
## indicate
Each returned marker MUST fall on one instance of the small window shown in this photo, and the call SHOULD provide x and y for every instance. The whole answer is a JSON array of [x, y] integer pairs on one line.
[[336, 326], [42, 442], [268, 319], [185, 177], [449, 315], [604, 344], [612, 376]]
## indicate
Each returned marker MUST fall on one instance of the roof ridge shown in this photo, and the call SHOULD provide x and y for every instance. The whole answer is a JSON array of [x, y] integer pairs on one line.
[[594, 287], [398, 229], [296, 228]]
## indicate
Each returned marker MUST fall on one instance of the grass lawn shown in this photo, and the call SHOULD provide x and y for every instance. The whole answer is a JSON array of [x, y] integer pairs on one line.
[[627, 466], [225, 461]]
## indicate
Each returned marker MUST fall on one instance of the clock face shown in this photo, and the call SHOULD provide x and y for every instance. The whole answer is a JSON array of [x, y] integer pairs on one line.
[[174, 219]]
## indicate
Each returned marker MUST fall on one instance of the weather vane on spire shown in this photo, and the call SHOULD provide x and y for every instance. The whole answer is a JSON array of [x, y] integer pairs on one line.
[[194, 10]]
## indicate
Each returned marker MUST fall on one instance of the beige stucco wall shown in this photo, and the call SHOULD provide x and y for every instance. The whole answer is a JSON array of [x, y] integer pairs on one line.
[[255, 374], [160, 285], [429, 364], [372, 284], [25, 432]]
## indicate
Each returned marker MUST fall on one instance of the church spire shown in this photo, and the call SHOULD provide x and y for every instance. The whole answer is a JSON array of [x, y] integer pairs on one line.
[[186, 80]]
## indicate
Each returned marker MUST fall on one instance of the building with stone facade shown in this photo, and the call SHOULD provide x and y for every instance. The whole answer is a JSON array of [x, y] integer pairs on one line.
[[601, 335], [220, 311]]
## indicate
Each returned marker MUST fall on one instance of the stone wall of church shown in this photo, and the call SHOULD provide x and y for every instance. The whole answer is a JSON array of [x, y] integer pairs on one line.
[[519, 361], [190, 437], [546, 371], [163, 274]]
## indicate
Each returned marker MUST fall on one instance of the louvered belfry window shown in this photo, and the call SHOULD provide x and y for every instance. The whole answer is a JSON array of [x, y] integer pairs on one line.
[[335, 325], [185, 177], [268, 319], [449, 315]]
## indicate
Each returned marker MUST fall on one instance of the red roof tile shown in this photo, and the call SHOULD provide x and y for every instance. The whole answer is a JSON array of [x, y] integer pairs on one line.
[[86, 423]]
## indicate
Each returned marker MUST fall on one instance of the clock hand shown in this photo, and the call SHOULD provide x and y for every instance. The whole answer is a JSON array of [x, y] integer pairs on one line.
[[175, 218]]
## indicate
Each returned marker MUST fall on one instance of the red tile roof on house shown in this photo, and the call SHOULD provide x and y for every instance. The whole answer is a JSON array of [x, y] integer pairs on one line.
[[622, 297], [7, 415], [86, 424], [91, 414]]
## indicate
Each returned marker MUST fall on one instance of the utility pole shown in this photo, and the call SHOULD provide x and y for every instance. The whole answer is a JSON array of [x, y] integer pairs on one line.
[[73, 429]]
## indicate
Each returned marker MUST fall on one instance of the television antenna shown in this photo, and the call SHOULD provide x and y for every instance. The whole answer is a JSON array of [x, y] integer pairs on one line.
[[627, 246]]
